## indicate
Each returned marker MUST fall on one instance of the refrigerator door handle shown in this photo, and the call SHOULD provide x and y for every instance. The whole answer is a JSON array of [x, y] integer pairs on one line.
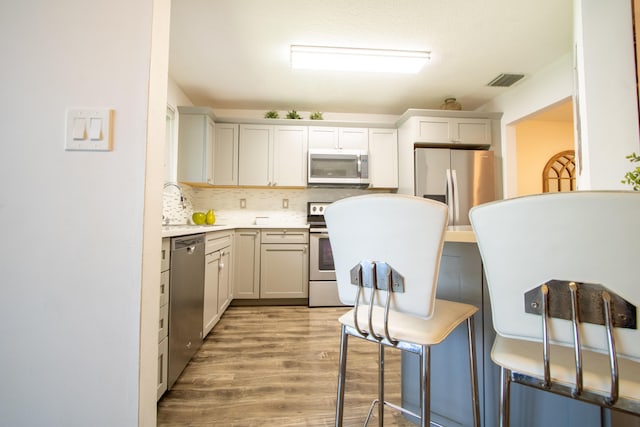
[[456, 201], [450, 195]]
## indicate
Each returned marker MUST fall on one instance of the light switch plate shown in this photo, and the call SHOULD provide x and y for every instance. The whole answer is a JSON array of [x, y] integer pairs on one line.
[[89, 129]]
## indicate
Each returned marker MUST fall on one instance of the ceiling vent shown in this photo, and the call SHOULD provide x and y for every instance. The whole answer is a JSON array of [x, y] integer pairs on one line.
[[505, 80]]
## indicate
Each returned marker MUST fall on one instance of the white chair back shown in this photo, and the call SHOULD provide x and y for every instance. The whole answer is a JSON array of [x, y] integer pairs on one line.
[[589, 236], [406, 232]]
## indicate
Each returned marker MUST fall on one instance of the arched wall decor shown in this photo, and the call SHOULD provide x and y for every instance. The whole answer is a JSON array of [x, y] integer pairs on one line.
[[559, 174]]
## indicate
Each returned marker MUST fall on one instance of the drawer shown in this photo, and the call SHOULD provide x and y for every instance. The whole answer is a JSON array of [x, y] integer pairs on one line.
[[165, 262], [163, 323], [285, 235], [214, 241], [164, 287], [163, 353]]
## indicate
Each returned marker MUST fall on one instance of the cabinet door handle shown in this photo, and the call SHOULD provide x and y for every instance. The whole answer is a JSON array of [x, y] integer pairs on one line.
[[304, 250]]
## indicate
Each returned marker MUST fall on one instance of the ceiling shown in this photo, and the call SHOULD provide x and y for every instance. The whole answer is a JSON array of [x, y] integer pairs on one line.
[[234, 54]]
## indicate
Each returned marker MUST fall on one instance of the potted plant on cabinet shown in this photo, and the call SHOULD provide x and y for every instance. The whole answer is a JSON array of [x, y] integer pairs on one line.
[[633, 177]]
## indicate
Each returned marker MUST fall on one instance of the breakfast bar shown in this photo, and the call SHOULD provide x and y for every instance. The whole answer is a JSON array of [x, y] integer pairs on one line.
[[461, 278]]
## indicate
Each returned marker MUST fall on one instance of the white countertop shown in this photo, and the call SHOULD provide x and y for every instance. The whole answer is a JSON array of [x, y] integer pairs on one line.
[[455, 233], [460, 233], [183, 230]]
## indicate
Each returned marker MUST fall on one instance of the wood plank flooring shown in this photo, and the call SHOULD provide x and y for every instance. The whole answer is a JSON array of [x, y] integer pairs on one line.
[[278, 366]]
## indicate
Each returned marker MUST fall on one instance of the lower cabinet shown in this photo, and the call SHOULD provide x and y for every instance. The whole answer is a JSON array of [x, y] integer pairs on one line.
[[163, 324], [271, 264], [461, 279], [247, 264], [163, 365], [284, 264], [217, 280], [211, 283]]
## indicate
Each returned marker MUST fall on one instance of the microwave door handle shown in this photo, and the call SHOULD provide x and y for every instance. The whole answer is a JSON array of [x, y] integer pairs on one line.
[[449, 193], [456, 200], [359, 166]]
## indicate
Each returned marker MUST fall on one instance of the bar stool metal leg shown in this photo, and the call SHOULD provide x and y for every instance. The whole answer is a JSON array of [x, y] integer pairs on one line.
[[341, 377], [425, 389], [473, 373], [505, 388], [381, 385]]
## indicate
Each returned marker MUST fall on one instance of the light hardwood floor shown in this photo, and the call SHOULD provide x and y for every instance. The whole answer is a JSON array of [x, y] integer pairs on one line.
[[278, 366]]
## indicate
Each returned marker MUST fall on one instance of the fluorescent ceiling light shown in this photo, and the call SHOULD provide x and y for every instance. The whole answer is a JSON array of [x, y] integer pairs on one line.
[[352, 59]]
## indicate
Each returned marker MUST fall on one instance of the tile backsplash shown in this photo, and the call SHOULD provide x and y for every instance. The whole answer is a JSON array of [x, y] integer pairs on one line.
[[268, 202]]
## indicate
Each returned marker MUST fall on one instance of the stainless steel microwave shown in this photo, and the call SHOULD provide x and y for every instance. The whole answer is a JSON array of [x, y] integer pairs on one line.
[[337, 167]]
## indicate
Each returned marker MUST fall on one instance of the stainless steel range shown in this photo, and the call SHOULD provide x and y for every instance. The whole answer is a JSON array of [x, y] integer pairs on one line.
[[323, 289]]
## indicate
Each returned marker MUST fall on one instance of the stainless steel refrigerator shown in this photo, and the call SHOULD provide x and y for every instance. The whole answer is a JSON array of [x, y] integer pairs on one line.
[[460, 178]]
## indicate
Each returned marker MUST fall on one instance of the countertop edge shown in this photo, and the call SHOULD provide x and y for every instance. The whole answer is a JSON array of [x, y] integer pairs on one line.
[[453, 234], [197, 229]]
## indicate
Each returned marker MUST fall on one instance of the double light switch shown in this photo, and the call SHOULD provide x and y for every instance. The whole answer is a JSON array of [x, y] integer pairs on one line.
[[89, 129]]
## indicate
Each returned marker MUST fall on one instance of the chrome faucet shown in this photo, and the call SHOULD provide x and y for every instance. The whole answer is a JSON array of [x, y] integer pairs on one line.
[[182, 198]]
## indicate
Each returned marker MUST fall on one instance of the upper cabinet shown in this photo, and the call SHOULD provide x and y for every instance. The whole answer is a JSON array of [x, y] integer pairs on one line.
[[225, 154], [196, 130], [338, 137], [272, 156], [451, 130], [290, 156], [383, 158], [273, 153], [256, 146]]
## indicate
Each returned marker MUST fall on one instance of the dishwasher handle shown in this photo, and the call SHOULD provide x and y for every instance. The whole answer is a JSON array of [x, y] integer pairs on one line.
[[187, 242]]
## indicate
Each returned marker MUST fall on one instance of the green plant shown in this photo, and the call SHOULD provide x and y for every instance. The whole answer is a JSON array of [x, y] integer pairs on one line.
[[633, 177], [316, 116], [293, 114], [272, 114]]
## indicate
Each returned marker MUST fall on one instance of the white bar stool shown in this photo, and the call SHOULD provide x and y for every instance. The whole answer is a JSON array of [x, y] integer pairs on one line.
[[387, 251], [562, 273]]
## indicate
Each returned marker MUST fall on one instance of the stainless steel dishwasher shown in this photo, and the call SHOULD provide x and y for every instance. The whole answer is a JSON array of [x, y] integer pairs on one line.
[[186, 290]]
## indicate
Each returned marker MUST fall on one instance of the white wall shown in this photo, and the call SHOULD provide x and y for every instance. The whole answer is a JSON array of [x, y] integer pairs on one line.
[[607, 101], [72, 222], [550, 86], [538, 141]]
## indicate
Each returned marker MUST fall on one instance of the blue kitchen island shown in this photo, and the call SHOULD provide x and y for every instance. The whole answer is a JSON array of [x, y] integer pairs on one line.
[[461, 279]]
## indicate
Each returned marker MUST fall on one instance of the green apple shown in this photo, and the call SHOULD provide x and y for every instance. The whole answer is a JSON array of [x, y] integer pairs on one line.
[[199, 218]]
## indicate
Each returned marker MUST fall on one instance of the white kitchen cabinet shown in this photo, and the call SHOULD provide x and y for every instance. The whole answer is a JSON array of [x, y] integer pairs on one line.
[[246, 281], [225, 280], [290, 156], [383, 158], [163, 365], [225, 154], [452, 130], [163, 322], [211, 283], [284, 263], [272, 156], [256, 146], [217, 283], [196, 133], [338, 137]]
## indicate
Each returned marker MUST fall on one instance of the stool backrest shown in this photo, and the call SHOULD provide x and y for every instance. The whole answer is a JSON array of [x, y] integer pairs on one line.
[[587, 236], [404, 231]]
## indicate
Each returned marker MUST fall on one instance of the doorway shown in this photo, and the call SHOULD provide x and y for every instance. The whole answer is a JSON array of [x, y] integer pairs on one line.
[[540, 137]]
